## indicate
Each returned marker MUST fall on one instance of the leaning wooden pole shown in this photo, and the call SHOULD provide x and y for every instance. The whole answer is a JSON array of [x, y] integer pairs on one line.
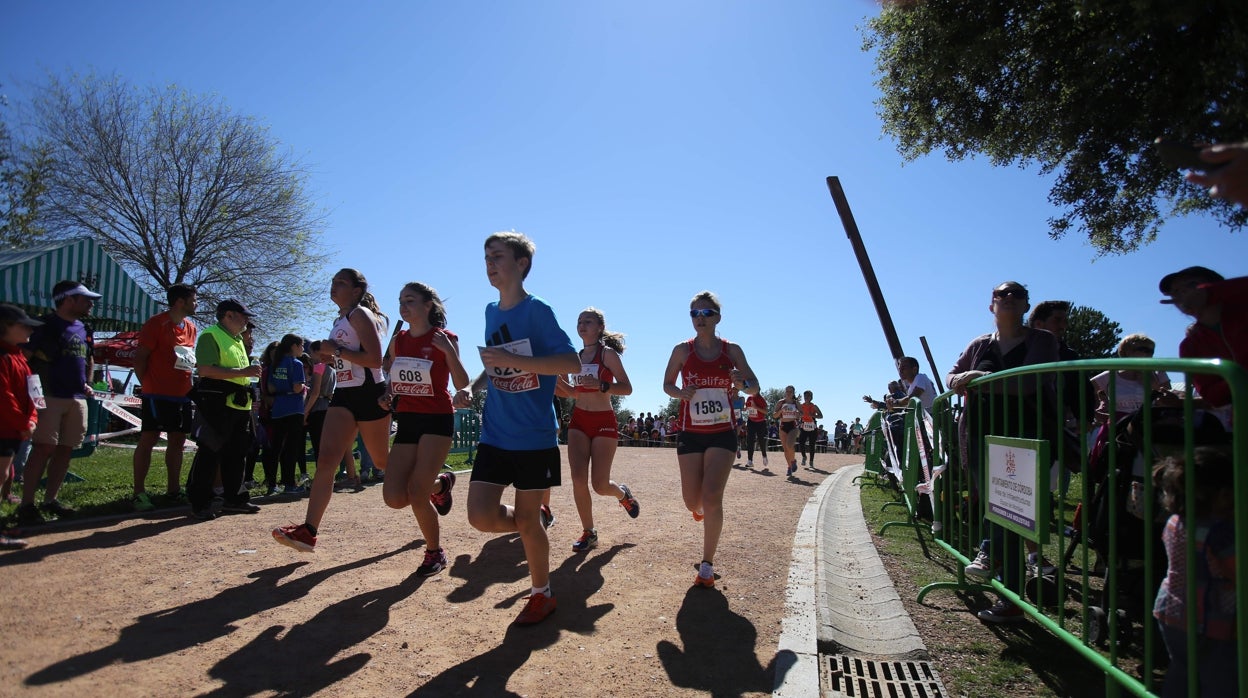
[[935, 371], [864, 263]]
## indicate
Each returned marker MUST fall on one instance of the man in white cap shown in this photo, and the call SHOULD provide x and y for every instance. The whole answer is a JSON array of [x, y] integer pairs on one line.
[[60, 353]]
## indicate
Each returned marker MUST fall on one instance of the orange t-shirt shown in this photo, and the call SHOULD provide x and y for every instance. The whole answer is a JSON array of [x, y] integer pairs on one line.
[[161, 335]]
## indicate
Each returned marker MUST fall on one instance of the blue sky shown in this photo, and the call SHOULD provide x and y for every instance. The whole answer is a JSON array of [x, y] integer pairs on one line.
[[651, 149]]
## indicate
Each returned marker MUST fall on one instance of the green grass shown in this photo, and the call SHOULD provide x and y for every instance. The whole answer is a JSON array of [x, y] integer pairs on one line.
[[108, 482], [975, 659]]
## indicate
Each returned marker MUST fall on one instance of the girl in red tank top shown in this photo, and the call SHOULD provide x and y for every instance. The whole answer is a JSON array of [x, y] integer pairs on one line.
[[709, 369], [593, 434], [422, 360]]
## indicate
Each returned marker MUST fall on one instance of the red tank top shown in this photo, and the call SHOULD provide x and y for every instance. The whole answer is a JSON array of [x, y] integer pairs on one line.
[[756, 408], [420, 375], [808, 412], [710, 410], [594, 369]]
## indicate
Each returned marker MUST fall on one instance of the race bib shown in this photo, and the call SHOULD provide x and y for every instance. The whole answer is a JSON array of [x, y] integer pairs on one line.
[[184, 358], [588, 375], [35, 389], [710, 407], [752, 412], [343, 370], [808, 426], [513, 380], [410, 375], [788, 412]]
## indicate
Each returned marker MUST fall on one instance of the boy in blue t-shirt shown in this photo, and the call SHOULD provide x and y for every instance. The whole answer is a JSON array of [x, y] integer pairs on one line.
[[525, 350]]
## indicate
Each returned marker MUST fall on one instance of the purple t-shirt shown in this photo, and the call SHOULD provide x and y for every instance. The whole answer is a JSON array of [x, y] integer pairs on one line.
[[59, 351]]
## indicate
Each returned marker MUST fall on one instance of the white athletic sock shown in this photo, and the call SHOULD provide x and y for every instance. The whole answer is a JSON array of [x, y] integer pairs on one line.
[[706, 570], [544, 591]]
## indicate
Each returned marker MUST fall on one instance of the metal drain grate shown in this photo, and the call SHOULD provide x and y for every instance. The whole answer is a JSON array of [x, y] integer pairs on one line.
[[854, 677]]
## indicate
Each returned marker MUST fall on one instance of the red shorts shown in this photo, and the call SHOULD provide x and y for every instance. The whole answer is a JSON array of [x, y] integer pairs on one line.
[[595, 424]]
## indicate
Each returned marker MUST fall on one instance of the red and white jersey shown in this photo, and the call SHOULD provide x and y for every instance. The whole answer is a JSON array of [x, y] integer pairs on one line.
[[420, 376], [710, 411], [350, 375], [756, 408]]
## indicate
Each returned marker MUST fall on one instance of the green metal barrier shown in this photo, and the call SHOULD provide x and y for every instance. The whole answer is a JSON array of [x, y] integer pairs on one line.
[[467, 433], [1106, 619], [873, 444]]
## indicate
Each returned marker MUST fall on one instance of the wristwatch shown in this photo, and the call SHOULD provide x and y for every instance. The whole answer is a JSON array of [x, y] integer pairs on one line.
[[605, 387]]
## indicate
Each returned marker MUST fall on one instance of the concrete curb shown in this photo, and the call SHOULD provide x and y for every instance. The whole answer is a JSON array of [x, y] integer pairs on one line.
[[839, 599]]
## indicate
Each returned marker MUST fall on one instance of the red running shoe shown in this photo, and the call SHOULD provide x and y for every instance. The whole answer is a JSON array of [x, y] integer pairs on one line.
[[536, 610], [296, 536]]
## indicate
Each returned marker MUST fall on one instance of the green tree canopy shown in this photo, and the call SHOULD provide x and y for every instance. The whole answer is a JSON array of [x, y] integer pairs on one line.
[[179, 189], [1091, 334], [23, 175], [1080, 88]]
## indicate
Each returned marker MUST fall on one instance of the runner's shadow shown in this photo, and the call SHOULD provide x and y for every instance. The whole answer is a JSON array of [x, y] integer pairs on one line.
[[719, 649], [96, 540], [181, 627], [301, 662], [487, 674], [501, 561], [577, 578]]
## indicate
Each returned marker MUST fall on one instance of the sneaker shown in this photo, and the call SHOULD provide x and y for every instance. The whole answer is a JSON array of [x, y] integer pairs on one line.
[[698, 516], [9, 543], [29, 515], [629, 502], [304, 480], [296, 536], [294, 491], [249, 484], [60, 510], [803, 461], [749, 464], [204, 514], [1045, 566], [535, 611], [143, 502], [442, 500], [764, 461], [1002, 612], [548, 519], [178, 497], [239, 508], [937, 527], [706, 575], [350, 483], [982, 569], [588, 541], [272, 490], [792, 469], [435, 562], [738, 454]]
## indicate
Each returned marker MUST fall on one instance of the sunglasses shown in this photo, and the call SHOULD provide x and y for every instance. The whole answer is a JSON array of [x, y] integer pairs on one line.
[[1010, 293], [703, 312]]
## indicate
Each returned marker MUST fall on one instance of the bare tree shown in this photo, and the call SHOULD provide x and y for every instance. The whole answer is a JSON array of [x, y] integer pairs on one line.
[[179, 189]]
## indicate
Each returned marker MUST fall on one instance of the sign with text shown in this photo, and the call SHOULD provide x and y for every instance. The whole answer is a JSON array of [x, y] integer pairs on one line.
[[1017, 485]]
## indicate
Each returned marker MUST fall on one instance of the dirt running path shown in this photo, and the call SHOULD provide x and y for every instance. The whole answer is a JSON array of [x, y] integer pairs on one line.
[[163, 606]]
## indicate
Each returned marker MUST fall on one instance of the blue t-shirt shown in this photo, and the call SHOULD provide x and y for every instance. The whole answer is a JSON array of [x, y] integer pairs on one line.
[[287, 373], [519, 412]]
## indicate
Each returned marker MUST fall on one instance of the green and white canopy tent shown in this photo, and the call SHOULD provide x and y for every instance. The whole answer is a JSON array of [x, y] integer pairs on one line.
[[27, 277]]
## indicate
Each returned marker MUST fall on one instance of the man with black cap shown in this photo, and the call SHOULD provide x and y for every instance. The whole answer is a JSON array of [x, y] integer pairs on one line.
[[60, 353], [1220, 307], [223, 419]]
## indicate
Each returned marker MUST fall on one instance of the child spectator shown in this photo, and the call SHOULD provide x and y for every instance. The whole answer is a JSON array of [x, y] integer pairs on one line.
[[19, 393], [1213, 527]]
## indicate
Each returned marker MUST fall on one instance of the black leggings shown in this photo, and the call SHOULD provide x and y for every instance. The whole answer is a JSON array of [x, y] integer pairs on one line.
[[755, 431], [288, 439], [806, 442]]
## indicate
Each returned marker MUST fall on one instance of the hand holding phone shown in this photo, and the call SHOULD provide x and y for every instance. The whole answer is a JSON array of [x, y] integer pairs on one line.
[[1185, 156]]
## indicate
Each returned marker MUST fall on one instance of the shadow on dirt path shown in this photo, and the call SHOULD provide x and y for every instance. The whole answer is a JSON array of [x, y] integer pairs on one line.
[[182, 627], [719, 648], [487, 674]]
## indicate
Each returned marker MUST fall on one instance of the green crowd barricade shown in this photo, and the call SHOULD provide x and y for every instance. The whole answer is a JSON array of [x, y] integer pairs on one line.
[[1066, 508], [873, 444], [467, 433]]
